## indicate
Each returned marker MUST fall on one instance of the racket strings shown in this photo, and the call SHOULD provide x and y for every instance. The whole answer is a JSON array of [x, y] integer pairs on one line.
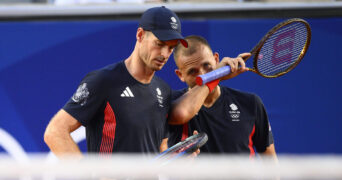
[[282, 49], [281, 52]]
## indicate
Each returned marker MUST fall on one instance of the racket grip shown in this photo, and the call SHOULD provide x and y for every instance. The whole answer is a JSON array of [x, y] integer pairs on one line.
[[212, 75]]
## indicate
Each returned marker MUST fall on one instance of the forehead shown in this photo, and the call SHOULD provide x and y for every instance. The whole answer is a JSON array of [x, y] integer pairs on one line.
[[203, 54]]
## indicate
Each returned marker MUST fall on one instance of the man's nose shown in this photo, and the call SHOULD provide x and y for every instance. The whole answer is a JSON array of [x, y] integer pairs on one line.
[[201, 71]]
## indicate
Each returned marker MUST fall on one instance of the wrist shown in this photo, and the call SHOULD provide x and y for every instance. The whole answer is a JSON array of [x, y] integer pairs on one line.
[[212, 84]]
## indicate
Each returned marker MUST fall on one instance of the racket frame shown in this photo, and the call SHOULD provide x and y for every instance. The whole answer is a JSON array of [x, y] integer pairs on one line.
[[202, 139], [256, 49]]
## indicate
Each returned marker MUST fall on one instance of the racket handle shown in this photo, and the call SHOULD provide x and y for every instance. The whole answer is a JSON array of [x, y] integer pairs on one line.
[[212, 75]]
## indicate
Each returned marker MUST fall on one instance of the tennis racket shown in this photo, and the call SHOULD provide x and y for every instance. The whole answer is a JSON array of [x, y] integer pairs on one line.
[[276, 54], [187, 146]]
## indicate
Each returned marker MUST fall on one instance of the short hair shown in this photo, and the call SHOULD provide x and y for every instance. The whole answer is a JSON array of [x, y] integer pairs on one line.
[[194, 42]]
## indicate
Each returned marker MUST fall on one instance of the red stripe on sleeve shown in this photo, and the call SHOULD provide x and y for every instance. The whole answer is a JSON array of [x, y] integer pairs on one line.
[[108, 132], [185, 132], [250, 145]]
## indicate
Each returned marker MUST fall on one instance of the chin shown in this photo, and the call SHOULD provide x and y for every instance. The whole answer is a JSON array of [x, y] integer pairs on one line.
[[158, 68], [191, 85]]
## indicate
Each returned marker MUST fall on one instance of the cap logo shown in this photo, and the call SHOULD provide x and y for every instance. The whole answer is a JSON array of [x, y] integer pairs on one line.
[[173, 23], [173, 19]]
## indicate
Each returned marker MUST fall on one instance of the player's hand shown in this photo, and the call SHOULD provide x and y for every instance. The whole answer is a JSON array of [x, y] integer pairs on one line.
[[237, 65], [195, 154]]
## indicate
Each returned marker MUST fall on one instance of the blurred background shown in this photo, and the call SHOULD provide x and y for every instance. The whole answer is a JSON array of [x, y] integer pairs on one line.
[[48, 46]]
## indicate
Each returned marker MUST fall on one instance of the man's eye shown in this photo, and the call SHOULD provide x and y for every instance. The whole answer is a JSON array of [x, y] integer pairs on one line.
[[191, 72], [159, 44], [207, 66]]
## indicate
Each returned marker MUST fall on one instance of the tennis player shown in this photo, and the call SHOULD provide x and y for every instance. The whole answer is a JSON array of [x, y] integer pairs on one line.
[[235, 121], [123, 106]]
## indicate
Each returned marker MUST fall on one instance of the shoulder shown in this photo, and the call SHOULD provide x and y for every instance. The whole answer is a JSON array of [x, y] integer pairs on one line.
[[106, 72], [241, 95], [236, 92], [160, 82], [177, 93], [99, 78], [110, 70]]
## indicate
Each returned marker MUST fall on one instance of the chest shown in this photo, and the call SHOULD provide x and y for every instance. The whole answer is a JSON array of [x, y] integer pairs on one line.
[[140, 106], [230, 118]]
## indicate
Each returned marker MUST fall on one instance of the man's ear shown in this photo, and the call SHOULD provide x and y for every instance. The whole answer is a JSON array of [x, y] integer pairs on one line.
[[179, 74], [140, 34], [217, 57]]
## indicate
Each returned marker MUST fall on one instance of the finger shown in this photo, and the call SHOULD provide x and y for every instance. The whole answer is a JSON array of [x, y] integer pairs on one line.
[[233, 64], [243, 67], [236, 64], [242, 70], [193, 155], [197, 152], [241, 63], [245, 56], [226, 61], [195, 132]]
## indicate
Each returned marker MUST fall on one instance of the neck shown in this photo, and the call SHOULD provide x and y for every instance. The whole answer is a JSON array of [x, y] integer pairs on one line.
[[212, 97], [138, 69]]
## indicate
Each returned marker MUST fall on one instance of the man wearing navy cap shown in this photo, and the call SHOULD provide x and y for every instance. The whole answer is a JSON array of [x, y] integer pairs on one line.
[[123, 106]]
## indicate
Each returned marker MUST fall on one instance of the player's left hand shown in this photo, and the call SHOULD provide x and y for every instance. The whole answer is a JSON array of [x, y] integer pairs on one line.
[[237, 65]]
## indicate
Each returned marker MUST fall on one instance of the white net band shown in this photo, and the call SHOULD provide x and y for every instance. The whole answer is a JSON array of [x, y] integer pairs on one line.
[[142, 167]]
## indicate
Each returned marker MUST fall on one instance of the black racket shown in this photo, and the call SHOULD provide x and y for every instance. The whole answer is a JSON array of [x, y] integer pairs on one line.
[[276, 54], [187, 146]]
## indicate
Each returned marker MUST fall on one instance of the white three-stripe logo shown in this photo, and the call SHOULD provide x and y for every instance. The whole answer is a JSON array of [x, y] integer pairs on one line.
[[127, 93]]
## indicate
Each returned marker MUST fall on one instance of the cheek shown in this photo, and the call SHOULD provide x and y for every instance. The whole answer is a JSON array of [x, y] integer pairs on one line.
[[149, 53], [147, 46], [142, 53], [190, 80], [154, 52]]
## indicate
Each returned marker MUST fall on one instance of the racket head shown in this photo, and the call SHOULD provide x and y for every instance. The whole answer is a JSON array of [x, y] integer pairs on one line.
[[188, 145], [282, 48]]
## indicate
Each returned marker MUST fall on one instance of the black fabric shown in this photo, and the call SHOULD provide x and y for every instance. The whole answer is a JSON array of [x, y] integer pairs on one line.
[[140, 109], [229, 123]]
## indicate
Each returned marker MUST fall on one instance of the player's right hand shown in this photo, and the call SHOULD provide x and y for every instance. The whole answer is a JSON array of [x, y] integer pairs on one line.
[[237, 65]]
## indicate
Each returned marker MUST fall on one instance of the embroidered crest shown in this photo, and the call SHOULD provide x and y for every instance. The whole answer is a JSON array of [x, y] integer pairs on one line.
[[81, 94], [173, 23]]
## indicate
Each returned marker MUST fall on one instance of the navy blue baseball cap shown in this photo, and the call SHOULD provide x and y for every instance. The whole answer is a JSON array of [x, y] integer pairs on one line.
[[163, 23]]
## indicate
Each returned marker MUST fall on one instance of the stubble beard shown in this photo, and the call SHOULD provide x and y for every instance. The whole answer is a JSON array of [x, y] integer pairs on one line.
[[149, 63]]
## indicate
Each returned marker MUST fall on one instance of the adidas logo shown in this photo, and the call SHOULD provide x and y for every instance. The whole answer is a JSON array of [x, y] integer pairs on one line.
[[127, 93]]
